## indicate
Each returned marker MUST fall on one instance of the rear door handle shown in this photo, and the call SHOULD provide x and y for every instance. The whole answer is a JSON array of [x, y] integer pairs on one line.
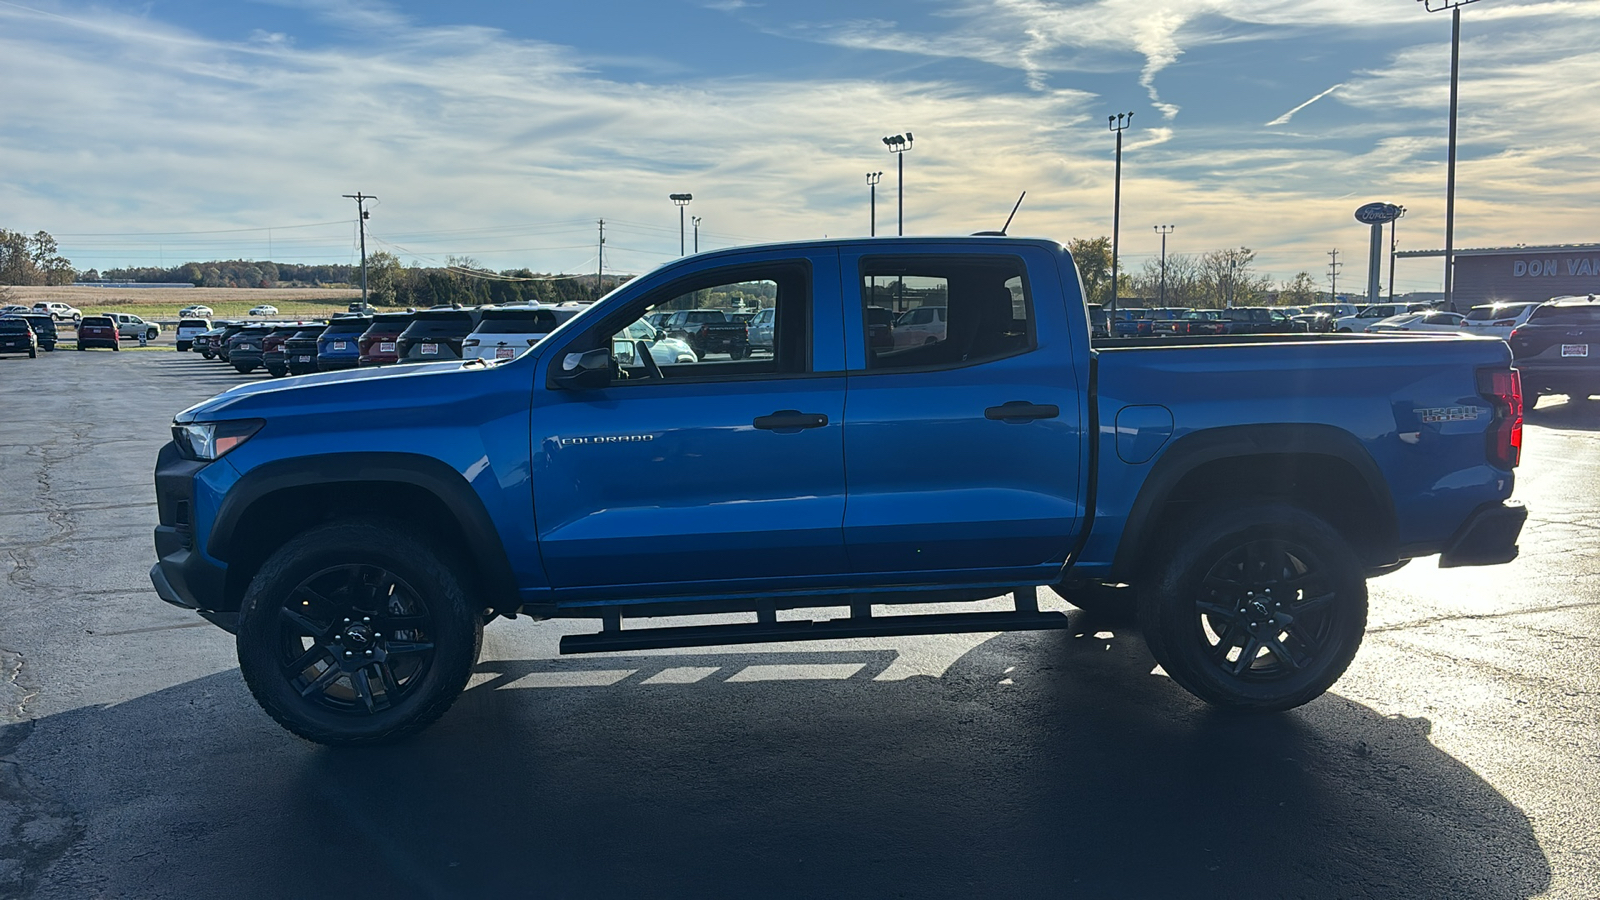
[[790, 420], [1022, 411]]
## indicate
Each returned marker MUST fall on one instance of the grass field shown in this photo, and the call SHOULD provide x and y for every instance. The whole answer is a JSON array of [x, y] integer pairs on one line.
[[164, 303]]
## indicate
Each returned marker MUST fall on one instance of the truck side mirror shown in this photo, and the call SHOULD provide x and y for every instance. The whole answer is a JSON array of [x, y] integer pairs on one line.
[[585, 371]]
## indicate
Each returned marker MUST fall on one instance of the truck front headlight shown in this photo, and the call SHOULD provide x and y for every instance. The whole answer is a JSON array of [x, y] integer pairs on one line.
[[212, 440]]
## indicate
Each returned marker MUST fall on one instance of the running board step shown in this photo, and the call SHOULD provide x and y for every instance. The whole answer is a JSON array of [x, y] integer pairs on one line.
[[618, 638]]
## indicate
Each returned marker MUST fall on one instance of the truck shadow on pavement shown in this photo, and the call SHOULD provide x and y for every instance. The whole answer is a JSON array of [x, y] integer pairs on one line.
[[1046, 764]]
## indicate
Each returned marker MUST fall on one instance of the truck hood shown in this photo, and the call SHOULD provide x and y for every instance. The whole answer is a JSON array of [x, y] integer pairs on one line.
[[398, 386]]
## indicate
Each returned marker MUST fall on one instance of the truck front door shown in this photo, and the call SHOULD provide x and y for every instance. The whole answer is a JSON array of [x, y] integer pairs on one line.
[[692, 476]]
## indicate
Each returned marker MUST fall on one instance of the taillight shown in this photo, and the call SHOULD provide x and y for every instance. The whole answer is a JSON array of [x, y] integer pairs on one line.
[[470, 342], [1503, 440], [1505, 322]]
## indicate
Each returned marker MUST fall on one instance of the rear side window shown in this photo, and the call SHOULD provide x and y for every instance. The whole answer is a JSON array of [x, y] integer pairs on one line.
[[528, 321], [1566, 315], [13, 325], [449, 324], [347, 326], [948, 312]]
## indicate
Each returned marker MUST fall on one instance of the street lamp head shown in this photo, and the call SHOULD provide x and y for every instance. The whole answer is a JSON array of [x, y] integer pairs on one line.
[[874, 177], [680, 199], [1443, 5], [898, 143]]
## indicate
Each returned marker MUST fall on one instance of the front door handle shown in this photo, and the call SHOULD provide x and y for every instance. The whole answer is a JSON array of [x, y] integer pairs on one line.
[[1022, 411], [790, 420]]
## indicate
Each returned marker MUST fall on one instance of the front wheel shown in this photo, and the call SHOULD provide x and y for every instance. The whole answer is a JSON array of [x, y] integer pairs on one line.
[[1260, 608], [356, 633]]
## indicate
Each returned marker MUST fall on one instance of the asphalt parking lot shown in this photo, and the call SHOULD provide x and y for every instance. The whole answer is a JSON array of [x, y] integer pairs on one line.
[[1457, 758]]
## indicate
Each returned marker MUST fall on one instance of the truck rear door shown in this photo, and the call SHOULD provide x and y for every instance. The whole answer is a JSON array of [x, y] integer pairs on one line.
[[966, 452]]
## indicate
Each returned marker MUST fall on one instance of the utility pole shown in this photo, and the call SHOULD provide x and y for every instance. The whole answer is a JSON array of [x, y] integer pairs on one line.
[[1164, 230], [872, 186], [361, 220], [681, 200], [600, 267], [1118, 123], [1333, 275], [898, 144], [696, 233]]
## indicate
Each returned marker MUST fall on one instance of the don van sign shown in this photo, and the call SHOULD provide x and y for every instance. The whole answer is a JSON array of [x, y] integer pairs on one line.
[[1550, 268]]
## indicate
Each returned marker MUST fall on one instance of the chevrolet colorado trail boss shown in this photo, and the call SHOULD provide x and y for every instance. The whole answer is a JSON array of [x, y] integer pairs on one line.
[[356, 530]]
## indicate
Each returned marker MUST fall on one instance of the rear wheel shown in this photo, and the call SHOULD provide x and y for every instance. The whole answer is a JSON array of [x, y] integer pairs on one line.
[[356, 633], [1260, 608]]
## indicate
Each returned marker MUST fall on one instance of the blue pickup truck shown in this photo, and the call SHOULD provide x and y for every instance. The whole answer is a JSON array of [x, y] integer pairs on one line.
[[357, 530]]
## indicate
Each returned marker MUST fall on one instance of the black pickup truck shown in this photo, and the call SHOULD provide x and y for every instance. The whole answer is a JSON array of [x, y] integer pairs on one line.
[[709, 331]]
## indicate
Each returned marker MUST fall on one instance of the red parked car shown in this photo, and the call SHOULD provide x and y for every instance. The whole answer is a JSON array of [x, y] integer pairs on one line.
[[98, 331], [377, 343]]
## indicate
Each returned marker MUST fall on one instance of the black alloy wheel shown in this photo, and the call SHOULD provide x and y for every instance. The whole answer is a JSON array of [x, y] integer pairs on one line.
[[356, 633], [1260, 608], [360, 639]]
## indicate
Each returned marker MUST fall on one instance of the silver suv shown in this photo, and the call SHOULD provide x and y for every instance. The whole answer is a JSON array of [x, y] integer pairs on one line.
[[61, 312]]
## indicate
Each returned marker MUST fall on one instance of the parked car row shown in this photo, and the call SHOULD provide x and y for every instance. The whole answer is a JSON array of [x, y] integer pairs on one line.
[[352, 340], [1172, 320]]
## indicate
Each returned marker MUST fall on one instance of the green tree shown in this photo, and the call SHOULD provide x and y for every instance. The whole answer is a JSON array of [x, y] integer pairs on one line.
[[1093, 256], [1299, 291]]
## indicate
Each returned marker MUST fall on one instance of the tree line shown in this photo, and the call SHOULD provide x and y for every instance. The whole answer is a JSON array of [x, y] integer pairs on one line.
[[1213, 279]]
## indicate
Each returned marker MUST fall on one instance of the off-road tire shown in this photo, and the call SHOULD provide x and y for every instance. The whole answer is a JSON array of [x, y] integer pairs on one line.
[[1184, 607], [453, 627]]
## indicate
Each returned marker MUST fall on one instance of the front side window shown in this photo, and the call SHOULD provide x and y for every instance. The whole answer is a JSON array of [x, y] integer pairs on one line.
[[687, 332], [946, 313]]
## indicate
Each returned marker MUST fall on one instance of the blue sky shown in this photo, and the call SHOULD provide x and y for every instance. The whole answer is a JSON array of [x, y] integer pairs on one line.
[[503, 131]]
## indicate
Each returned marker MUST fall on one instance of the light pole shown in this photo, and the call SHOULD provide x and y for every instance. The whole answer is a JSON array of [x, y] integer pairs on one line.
[[1392, 247], [898, 144], [1118, 123], [696, 221], [872, 186], [1450, 173], [1164, 230], [682, 200]]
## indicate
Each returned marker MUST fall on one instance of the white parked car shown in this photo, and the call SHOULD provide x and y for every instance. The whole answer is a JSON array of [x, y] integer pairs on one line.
[[506, 331], [14, 309], [189, 329], [915, 327], [61, 312], [265, 309], [1498, 319], [1426, 321], [195, 312], [1377, 313], [666, 351]]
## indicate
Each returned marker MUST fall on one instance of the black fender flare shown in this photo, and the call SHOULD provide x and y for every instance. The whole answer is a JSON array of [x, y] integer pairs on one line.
[[1196, 449], [482, 539]]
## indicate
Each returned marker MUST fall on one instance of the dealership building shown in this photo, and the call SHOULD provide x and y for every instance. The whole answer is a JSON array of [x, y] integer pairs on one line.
[[1494, 274]]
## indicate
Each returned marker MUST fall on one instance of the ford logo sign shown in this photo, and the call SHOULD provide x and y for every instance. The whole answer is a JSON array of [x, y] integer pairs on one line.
[[1377, 213]]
